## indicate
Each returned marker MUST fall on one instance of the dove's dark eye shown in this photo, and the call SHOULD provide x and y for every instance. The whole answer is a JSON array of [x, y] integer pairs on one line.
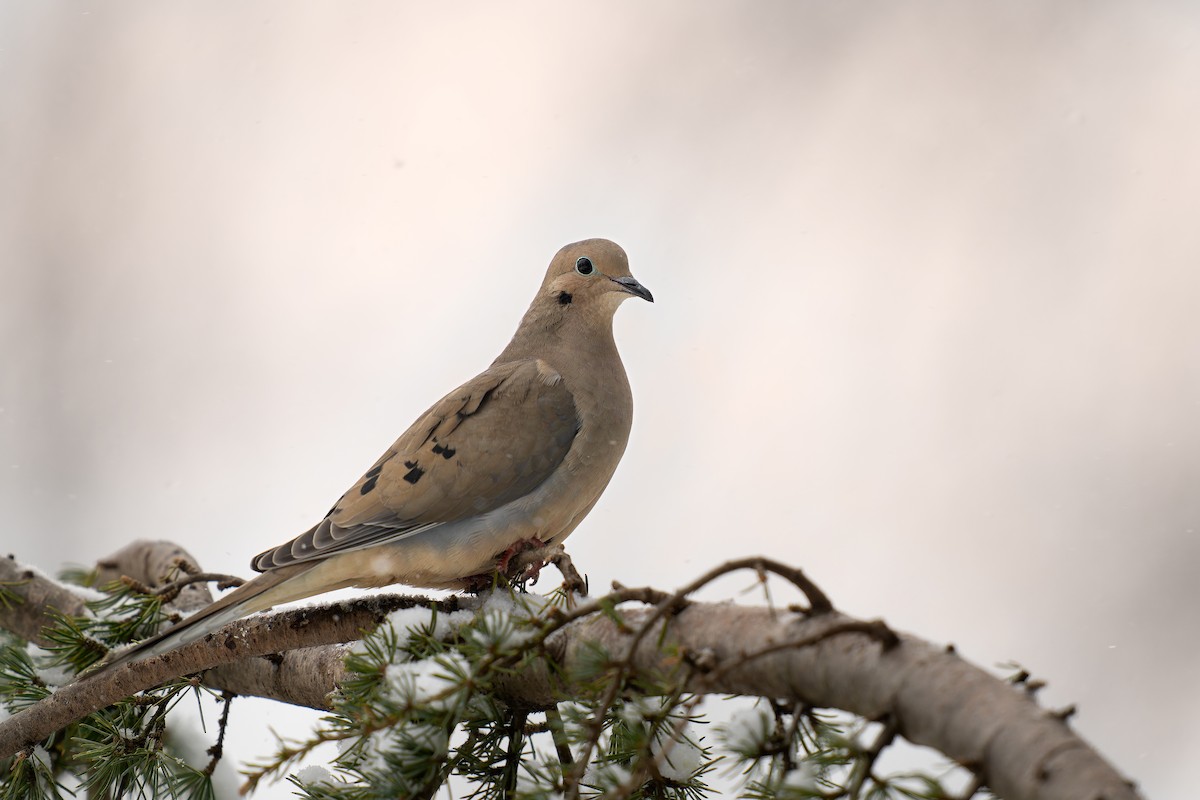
[[584, 266]]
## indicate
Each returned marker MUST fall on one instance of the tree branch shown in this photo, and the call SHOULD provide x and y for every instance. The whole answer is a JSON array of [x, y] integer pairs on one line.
[[824, 659], [260, 635], [27, 598], [157, 565]]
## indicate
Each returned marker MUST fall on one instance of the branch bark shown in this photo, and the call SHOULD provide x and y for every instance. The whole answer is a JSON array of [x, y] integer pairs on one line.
[[34, 598], [825, 659]]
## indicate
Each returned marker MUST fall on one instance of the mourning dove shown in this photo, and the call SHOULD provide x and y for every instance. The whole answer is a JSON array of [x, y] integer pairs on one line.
[[515, 457]]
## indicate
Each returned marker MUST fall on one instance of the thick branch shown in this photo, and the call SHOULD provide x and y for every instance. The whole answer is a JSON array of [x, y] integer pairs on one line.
[[934, 697], [931, 695], [156, 564], [31, 598], [303, 677]]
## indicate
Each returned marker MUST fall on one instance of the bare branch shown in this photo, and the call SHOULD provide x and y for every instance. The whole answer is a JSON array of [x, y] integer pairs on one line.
[[303, 677]]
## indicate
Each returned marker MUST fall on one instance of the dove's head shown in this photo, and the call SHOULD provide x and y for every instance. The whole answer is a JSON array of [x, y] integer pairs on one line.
[[570, 320], [591, 276]]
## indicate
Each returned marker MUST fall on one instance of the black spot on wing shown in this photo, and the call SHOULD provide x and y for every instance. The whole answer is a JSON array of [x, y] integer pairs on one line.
[[414, 474], [444, 452], [372, 477]]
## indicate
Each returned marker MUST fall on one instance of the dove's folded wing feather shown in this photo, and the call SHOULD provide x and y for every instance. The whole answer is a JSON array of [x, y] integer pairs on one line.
[[487, 443]]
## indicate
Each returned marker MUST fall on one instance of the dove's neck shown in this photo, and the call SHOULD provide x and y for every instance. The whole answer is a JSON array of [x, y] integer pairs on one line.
[[580, 347], [578, 344], [560, 333]]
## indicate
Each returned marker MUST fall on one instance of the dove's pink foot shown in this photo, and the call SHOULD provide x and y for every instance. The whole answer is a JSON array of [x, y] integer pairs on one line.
[[485, 580], [523, 546]]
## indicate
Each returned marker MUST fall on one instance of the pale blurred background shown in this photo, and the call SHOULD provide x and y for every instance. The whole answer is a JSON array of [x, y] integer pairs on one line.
[[928, 282]]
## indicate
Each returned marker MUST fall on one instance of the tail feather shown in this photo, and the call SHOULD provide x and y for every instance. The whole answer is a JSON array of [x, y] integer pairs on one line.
[[252, 596]]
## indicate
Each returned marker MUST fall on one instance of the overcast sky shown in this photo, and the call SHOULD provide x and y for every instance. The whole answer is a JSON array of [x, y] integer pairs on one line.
[[928, 283]]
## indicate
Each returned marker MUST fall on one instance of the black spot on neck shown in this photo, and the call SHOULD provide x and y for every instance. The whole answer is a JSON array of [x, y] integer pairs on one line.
[[564, 298]]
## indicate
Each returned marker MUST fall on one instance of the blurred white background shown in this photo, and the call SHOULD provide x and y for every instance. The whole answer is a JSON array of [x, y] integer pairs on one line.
[[928, 283]]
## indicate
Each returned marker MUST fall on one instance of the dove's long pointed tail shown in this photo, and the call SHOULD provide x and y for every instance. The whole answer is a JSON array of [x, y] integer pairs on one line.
[[255, 595]]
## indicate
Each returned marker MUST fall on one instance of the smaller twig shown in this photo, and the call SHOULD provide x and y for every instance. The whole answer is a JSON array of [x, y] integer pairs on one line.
[[819, 602], [778, 711], [156, 728], [516, 743], [865, 763], [559, 734], [1065, 713], [185, 565], [787, 733], [218, 749], [573, 582], [642, 594], [170, 591], [135, 585], [763, 581], [798, 712]]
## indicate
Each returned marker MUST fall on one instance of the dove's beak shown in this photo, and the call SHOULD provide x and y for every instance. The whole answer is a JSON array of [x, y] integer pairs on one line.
[[631, 286]]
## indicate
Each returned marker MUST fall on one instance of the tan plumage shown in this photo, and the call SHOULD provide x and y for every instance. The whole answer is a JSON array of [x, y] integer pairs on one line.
[[520, 452]]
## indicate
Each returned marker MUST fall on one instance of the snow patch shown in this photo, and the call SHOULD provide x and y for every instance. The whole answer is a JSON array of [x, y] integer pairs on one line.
[[412, 621], [52, 676], [803, 777], [525, 605], [748, 729], [86, 592], [430, 681], [41, 755], [682, 757], [508, 620], [314, 773]]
